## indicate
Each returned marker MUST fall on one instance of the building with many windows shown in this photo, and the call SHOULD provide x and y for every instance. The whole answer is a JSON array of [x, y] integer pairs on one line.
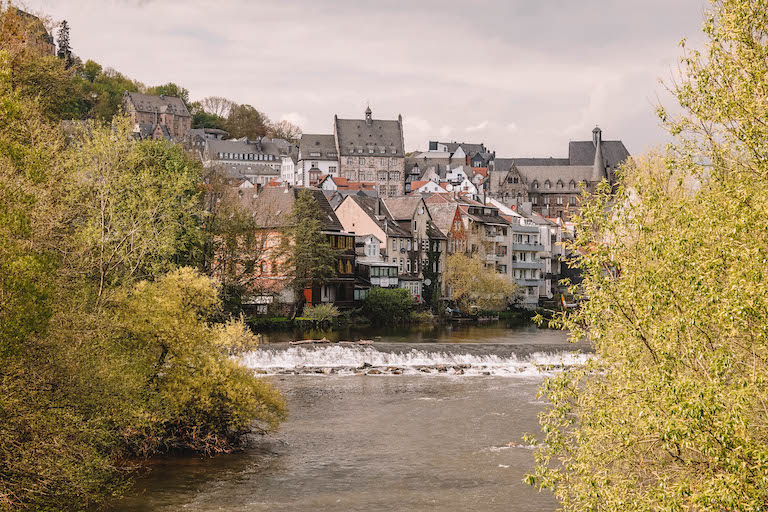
[[372, 150]]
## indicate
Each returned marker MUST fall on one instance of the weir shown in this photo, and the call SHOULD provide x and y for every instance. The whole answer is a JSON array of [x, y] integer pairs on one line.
[[397, 359]]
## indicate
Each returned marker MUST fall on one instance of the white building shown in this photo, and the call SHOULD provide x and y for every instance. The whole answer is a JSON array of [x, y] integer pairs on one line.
[[317, 156]]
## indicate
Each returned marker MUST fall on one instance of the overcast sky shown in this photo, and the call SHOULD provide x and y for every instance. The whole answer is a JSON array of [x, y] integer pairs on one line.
[[523, 76]]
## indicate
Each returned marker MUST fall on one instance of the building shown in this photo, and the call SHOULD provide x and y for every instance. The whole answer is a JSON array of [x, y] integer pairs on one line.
[[34, 33], [318, 156], [408, 237], [157, 116], [372, 150], [373, 270], [258, 161], [271, 209], [448, 218], [553, 185], [332, 184]]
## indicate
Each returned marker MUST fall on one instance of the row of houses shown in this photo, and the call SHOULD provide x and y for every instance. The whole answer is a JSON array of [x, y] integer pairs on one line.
[[369, 154], [395, 218]]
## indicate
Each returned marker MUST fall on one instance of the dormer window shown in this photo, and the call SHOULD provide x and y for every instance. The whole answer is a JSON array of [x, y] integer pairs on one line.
[[535, 184], [560, 184], [547, 184], [572, 185]]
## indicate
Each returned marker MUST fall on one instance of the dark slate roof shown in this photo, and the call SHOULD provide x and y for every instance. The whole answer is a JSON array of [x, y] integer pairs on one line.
[[240, 146], [313, 143], [583, 152], [157, 104], [357, 137], [272, 207], [434, 232], [466, 146], [539, 162]]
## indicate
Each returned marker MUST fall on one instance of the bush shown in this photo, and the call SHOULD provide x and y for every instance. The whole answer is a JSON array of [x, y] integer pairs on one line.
[[388, 306], [320, 313], [422, 317]]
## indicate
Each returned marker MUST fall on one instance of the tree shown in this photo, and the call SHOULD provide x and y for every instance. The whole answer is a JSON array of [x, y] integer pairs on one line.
[[65, 51], [473, 285], [91, 70], [170, 89], [309, 259], [388, 306], [246, 121], [671, 414], [217, 106], [285, 130]]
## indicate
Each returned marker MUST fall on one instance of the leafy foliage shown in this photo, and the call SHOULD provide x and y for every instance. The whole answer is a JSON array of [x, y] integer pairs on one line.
[[473, 285], [388, 306], [246, 121], [671, 414], [320, 312]]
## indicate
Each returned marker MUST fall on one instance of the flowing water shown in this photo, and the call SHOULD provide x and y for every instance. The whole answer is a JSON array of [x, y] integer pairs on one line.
[[391, 426]]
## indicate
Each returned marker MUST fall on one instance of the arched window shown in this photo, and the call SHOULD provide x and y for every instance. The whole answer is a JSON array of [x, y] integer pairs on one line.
[[547, 184], [535, 184], [572, 185], [560, 184]]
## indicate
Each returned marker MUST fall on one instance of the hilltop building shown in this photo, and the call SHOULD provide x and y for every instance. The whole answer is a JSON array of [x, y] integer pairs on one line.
[[156, 117]]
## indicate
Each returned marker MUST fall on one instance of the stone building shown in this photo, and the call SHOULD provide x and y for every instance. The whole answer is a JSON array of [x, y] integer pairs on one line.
[[258, 161], [372, 150], [34, 32], [553, 185], [157, 116]]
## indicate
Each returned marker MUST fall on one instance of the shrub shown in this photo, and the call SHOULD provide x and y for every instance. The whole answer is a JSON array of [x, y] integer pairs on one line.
[[388, 305], [320, 313]]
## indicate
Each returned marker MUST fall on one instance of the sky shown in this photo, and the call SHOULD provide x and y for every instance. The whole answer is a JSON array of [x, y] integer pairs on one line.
[[522, 76]]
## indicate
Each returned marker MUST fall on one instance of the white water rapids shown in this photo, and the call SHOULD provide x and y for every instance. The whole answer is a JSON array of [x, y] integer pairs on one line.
[[340, 360]]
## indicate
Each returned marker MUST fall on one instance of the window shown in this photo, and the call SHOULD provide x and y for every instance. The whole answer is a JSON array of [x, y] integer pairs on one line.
[[560, 184], [546, 200], [400, 265], [314, 154], [331, 169], [535, 184], [408, 265], [559, 200], [370, 151], [572, 201], [547, 184], [409, 244], [425, 245], [382, 175], [393, 190], [395, 176], [362, 160], [572, 185]]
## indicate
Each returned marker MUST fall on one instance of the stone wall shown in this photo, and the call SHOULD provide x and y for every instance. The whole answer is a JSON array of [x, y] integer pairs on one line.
[[387, 172]]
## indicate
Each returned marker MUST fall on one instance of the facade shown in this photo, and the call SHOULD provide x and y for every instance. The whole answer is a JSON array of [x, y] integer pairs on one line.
[[157, 116], [270, 209], [317, 156], [554, 185], [372, 150], [373, 271]]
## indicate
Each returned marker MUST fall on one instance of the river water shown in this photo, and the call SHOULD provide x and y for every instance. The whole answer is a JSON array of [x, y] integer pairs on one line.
[[391, 426]]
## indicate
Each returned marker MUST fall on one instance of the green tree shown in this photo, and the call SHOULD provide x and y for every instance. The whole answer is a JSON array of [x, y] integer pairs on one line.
[[671, 413], [64, 52], [246, 121], [473, 285], [388, 306], [308, 257], [170, 89]]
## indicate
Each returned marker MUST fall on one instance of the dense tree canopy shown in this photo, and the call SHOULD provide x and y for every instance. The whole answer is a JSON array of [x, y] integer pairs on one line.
[[671, 414], [246, 121], [472, 285]]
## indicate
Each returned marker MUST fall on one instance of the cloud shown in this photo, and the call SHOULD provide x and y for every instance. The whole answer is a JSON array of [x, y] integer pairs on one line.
[[477, 127], [295, 118], [416, 123], [512, 127]]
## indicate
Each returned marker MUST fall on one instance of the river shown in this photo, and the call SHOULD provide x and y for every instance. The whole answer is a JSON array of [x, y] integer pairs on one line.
[[390, 426]]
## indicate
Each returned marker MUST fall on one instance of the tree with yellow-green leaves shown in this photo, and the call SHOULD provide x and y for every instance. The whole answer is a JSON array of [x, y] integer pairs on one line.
[[111, 347], [671, 413], [474, 286]]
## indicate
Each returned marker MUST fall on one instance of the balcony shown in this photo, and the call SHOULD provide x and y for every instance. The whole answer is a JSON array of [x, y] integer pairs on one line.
[[491, 258], [534, 265], [527, 247], [529, 282]]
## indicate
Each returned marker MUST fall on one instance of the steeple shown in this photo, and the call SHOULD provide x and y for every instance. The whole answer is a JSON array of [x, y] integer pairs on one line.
[[598, 169], [368, 115]]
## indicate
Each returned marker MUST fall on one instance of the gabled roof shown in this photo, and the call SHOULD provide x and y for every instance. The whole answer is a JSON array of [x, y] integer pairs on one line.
[[316, 143], [377, 210], [157, 104], [443, 214], [583, 152], [358, 137], [403, 207], [272, 207]]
